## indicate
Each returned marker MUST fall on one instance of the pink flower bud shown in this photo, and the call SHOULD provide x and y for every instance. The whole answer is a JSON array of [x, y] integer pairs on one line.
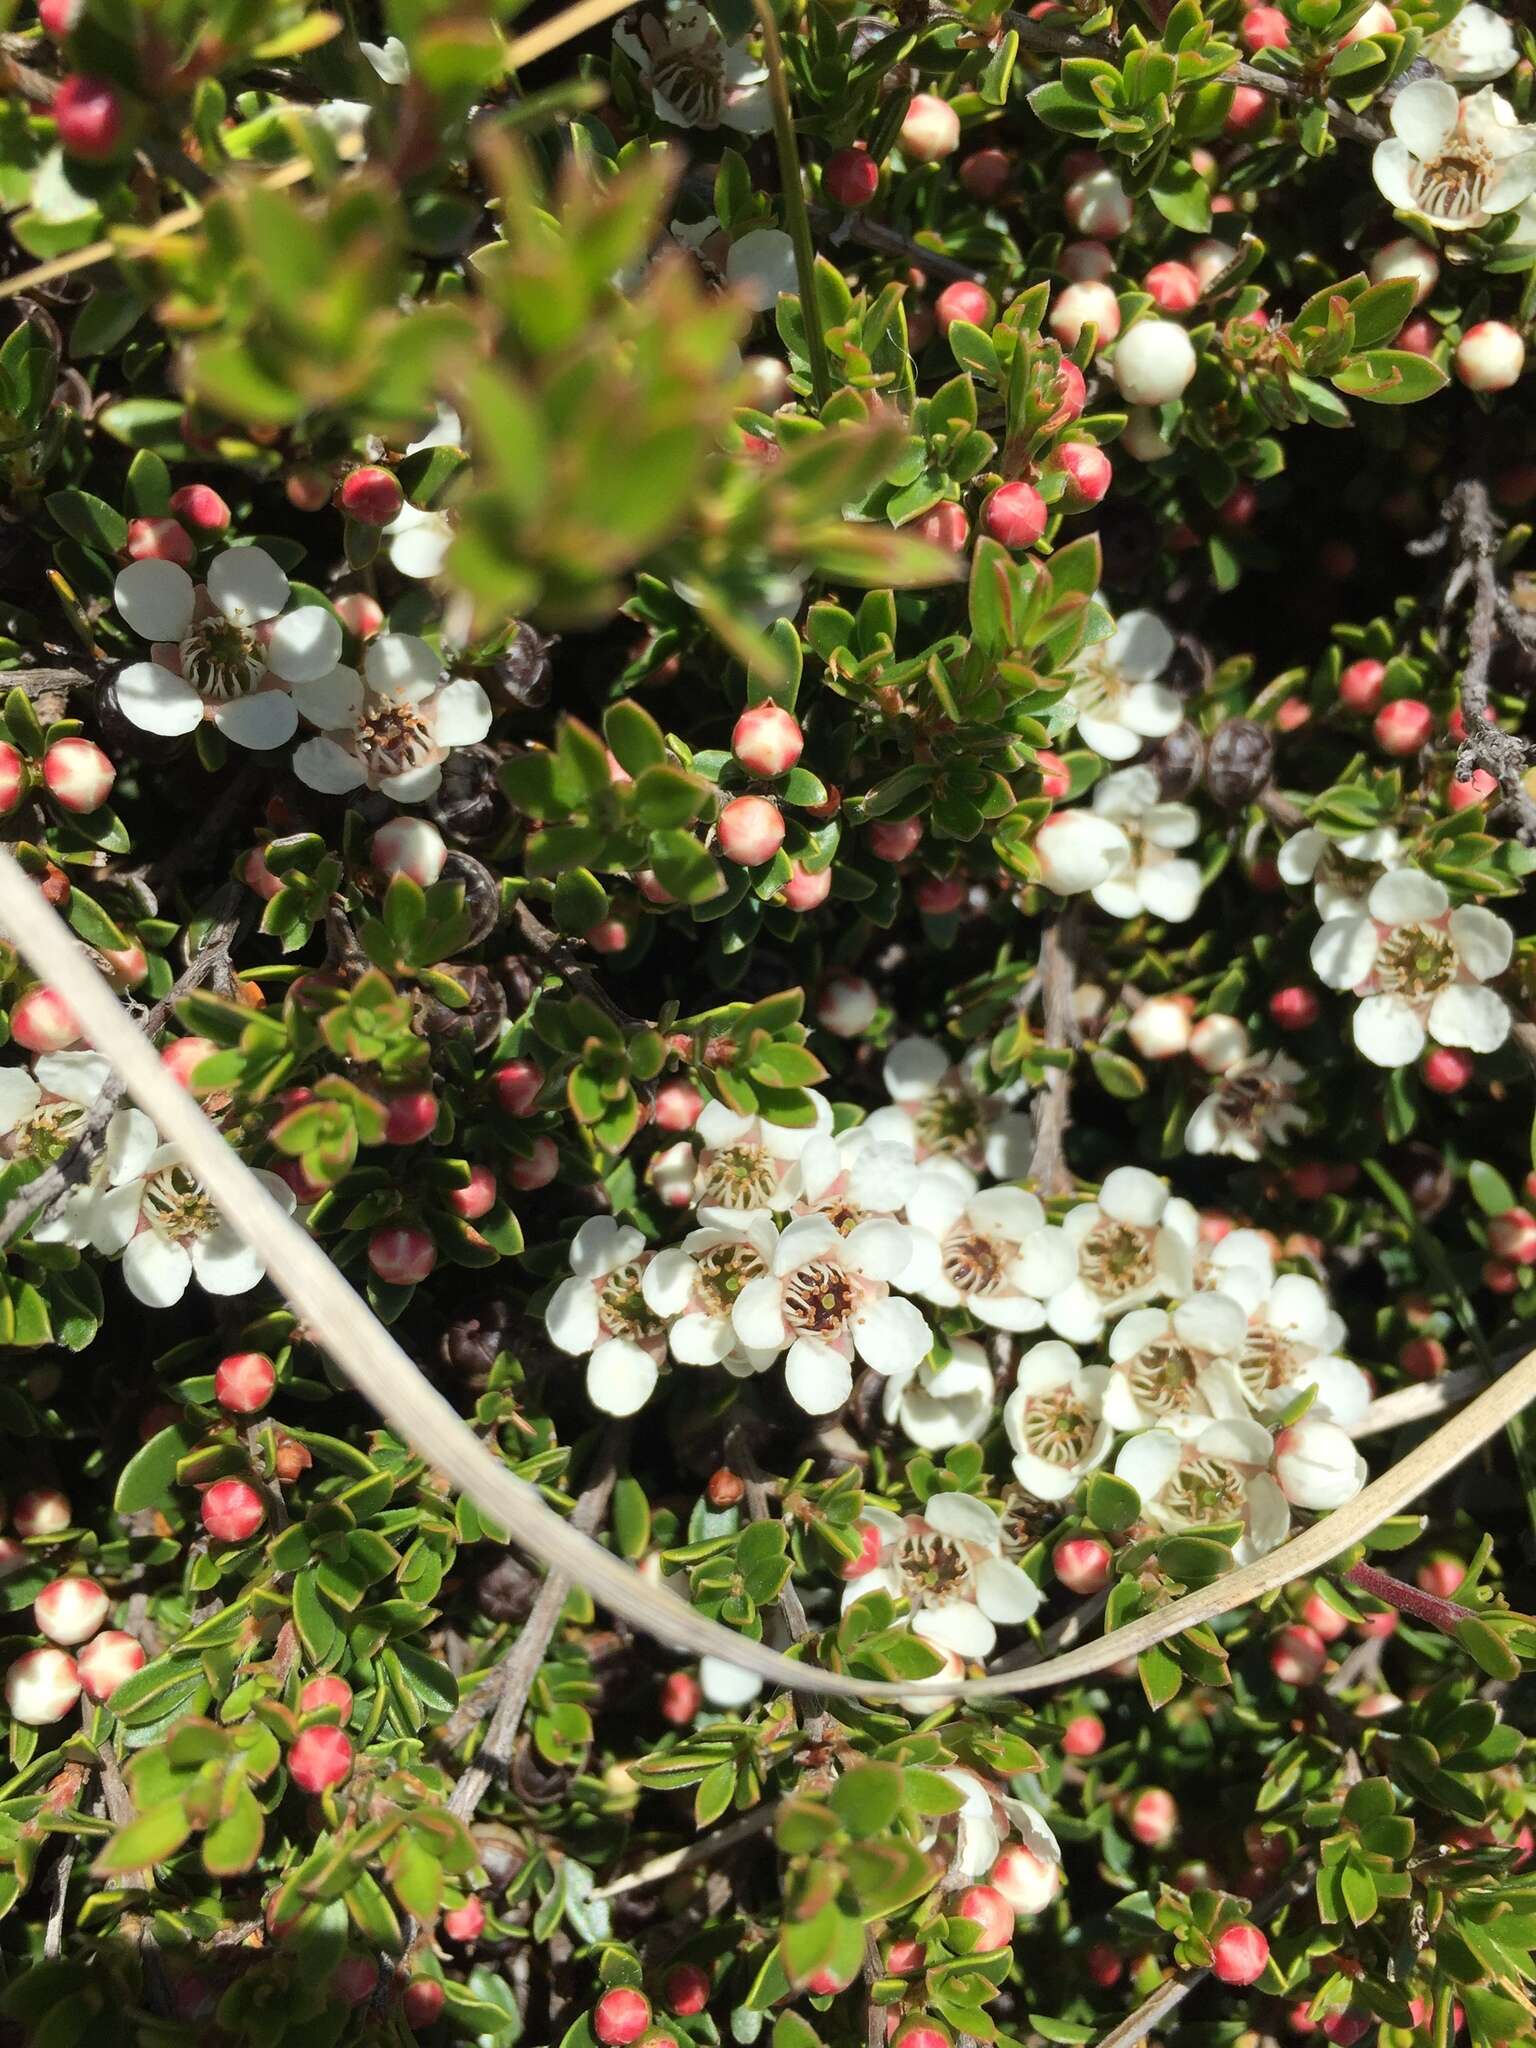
[[1026, 1882], [320, 1758], [401, 1255], [1403, 726], [1055, 775], [1406, 257], [1153, 1818], [257, 876], [359, 613], [59, 17], [538, 1169], [750, 831], [986, 172], [1423, 1358], [1512, 1236], [1097, 204], [677, 1106], [964, 301], [807, 891], [41, 1021], [1015, 514], [41, 1511], [1082, 305], [1082, 1564], [1218, 1042], [476, 1200], [1249, 108], [371, 496], [159, 540], [1265, 28], [1105, 1966], [517, 1086], [991, 1912], [78, 774], [466, 1922], [409, 846], [326, 1692], [88, 114], [895, 839], [410, 1117], [70, 1611], [621, 2015], [930, 129], [766, 740], [939, 896], [942, 526], [847, 1005], [232, 1511], [1478, 788], [243, 1382], [1490, 356], [41, 1687], [1447, 1070], [183, 1056], [850, 177], [1088, 471], [869, 1553], [1153, 362], [13, 778], [1239, 1954], [1360, 685], [1294, 1008], [1082, 1736], [107, 1662], [685, 1990], [681, 1698], [422, 2002], [1442, 1576], [200, 507], [1297, 1655]]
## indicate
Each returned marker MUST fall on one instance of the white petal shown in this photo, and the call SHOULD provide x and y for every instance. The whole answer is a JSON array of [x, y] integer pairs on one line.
[[702, 1340], [331, 701], [1407, 895], [1483, 942], [758, 1316], [19, 1096], [1006, 1592], [225, 1264], [1298, 1306], [1388, 1032], [807, 1238], [418, 548], [389, 59], [115, 1216], [1211, 1322], [879, 1249], [761, 265], [1141, 646], [1342, 1388], [1047, 1262], [891, 1335], [1297, 860], [725, 1684], [1107, 736], [1076, 1313], [667, 1282], [819, 1379], [1132, 1195], [400, 661], [156, 598], [1171, 826], [1469, 1015], [154, 698], [267, 718], [327, 767], [1344, 951], [156, 1270], [415, 785], [1423, 115], [1170, 889], [1043, 1368], [305, 645], [247, 585], [957, 1625], [571, 1318], [914, 1067], [1148, 1462], [1152, 710], [461, 714], [620, 1377], [966, 1519], [1041, 1478]]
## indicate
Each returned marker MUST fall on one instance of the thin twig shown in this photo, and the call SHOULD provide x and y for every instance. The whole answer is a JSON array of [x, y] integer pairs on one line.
[[818, 1720], [1058, 977], [1504, 755], [524, 1660], [556, 954], [40, 1199], [702, 1851], [46, 682], [53, 1934]]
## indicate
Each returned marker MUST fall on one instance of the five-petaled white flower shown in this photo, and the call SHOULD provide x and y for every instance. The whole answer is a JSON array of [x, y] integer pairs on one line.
[[1153, 879], [1455, 161], [943, 1401], [991, 1254], [1055, 1420], [828, 1297], [1176, 1369], [1220, 1476], [1252, 1105], [44, 1112], [1292, 1342], [217, 652], [947, 1563], [1135, 1241], [697, 79], [602, 1309], [168, 1230], [391, 728], [699, 1283], [1342, 871], [1478, 45], [1115, 695], [1420, 969], [941, 1109]]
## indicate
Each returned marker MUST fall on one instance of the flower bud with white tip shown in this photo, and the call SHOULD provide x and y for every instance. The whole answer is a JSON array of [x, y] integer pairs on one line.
[[1028, 1882], [108, 1661], [1218, 1042], [1153, 362], [1317, 1464], [1082, 305], [78, 774], [846, 1006], [41, 1021], [41, 1687], [41, 1511], [1490, 356], [409, 846], [767, 740], [70, 1611], [1407, 256], [930, 129], [1160, 1028]]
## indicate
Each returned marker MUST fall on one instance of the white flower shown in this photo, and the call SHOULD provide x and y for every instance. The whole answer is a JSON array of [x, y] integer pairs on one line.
[[991, 1254], [947, 1564], [850, 1176], [699, 1282], [938, 1405], [215, 654], [745, 1158], [1176, 1370], [1055, 1420], [1222, 1475], [1477, 46], [392, 728], [726, 1685], [984, 1823], [389, 59], [942, 1111], [1154, 879], [1079, 851], [418, 538], [1420, 968], [1292, 1342], [697, 79], [760, 266], [1253, 1105], [1153, 362], [44, 1112], [1342, 871], [166, 1227], [1317, 1464], [828, 1297], [1135, 1241], [1115, 695], [602, 1309], [1455, 161]]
